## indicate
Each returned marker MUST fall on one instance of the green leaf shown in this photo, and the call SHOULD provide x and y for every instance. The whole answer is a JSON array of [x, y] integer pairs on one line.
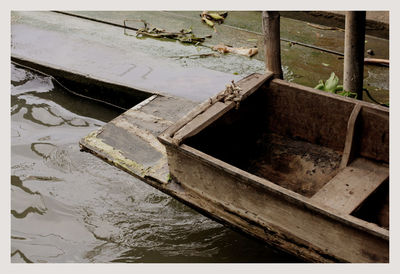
[[348, 94], [208, 22], [223, 14], [216, 16], [320, 85], [331, 83], [339, 88]]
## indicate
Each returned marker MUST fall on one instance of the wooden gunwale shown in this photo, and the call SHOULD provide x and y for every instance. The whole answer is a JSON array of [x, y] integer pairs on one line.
[[327, 94]]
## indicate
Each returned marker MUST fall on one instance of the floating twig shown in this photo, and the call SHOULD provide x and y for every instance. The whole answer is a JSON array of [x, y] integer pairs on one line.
[[375, 61]]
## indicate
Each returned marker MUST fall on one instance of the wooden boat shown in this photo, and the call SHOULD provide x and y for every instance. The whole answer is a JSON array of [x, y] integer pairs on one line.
[[305, 170]]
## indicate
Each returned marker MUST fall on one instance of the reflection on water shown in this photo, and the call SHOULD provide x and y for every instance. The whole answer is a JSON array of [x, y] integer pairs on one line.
[[69, 206]]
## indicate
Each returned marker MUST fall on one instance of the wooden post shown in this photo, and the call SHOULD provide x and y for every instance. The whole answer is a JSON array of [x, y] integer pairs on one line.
[[354, 44], [272, 42]]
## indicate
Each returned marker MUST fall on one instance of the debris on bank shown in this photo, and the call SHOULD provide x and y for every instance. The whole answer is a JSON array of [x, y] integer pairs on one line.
[[376, 61], [210, 18], [184, 35], [193, 56], [187, 36], [241, 51]]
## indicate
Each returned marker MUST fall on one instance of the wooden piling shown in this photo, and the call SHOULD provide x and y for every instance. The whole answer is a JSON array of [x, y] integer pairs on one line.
[[354, 44], [272, 43]]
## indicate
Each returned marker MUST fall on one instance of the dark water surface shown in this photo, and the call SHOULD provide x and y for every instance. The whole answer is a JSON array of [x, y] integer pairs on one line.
[[70, 206]]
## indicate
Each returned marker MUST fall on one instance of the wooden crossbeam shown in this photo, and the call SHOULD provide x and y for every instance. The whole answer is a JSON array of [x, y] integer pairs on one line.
[[350, 146]]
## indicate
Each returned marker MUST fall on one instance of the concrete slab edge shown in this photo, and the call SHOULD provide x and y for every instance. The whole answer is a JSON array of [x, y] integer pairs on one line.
[[60, 73]]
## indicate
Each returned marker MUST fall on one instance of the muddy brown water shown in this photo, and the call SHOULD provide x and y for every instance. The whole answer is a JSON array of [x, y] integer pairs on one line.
[[70, 206]]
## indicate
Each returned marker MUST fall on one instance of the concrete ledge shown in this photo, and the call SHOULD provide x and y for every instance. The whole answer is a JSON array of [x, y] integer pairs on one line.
[[376, 24], [115, 94]]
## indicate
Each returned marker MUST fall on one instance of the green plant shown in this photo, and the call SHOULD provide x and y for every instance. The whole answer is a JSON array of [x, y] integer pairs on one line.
[[332, 85]]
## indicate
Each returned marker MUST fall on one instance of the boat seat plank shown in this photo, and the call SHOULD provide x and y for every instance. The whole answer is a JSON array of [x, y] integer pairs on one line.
[[350, 187]]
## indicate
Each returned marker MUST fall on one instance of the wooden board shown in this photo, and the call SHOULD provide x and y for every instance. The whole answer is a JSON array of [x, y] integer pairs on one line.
[[203, 120], [349, 148], [350, 187], [374, 140], [321, 117], [130, 140], [248, 86]]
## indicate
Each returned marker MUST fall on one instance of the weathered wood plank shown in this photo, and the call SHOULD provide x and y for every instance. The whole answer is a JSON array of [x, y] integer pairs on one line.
[[149, 122], [374, 135], [248, 86], [129, 141], [203, 120], [350, 187], [308, 114], [319, 93], [349, 148]]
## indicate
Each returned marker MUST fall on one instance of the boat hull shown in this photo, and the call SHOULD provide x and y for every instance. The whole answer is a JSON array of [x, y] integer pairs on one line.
[[302, 221]]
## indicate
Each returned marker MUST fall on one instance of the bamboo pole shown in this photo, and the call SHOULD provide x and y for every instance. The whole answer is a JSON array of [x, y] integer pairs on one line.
[[354, 44], [272, 43]]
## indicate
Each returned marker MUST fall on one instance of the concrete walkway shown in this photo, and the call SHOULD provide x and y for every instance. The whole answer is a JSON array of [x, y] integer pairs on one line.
[[103, 51]]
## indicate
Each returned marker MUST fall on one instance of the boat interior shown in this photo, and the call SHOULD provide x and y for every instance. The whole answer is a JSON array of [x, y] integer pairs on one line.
[[332, 150]]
